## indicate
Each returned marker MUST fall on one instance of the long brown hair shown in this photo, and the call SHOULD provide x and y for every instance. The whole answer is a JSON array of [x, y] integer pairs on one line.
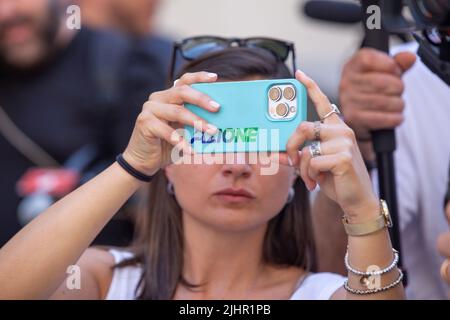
[[158, 246]]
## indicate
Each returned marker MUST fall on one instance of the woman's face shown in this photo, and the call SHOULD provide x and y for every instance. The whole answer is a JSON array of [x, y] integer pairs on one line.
[[230, 197]]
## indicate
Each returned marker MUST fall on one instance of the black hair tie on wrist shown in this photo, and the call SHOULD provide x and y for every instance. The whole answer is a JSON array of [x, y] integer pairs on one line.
[[132, 171]]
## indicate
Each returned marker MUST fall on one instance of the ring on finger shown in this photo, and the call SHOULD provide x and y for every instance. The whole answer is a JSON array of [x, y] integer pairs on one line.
[[317, 130], [444, 270], [315, 149], [334, 110]]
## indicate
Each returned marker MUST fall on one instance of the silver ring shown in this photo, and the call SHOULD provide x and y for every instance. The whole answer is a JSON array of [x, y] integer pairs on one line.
[[317, 130], [334, 110], [314, 149]]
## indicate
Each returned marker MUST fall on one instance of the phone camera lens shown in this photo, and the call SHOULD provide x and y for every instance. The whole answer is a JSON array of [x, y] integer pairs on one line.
[[282, 110], [275, 94], [289, 93]]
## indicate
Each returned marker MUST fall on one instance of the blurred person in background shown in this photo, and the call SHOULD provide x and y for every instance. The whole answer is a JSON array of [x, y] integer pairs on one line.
[[135, 18], [377, 92], [60, 91]]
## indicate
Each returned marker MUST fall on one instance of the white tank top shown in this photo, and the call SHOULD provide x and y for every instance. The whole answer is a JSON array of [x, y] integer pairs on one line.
[[317, 286]]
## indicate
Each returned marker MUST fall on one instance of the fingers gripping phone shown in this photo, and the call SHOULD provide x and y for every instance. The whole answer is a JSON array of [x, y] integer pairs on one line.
[[254, 116]]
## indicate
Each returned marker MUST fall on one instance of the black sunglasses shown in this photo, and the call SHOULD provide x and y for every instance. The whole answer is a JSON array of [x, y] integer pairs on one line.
[[193, 48]]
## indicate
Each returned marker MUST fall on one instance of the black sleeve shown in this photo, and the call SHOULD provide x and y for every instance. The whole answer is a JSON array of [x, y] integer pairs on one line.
[[145, 72]]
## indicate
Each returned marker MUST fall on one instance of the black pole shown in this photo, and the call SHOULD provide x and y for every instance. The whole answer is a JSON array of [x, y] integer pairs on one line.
[[384, 140]]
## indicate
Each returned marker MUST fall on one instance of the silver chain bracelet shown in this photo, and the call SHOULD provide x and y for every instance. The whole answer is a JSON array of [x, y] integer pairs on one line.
[[373, 273], [376, 290]]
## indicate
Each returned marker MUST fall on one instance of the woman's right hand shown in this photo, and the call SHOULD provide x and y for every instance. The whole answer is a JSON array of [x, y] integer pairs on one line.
[[161, 115]]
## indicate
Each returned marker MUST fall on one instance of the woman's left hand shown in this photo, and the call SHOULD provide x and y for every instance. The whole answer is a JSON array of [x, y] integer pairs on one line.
[[338, 169]]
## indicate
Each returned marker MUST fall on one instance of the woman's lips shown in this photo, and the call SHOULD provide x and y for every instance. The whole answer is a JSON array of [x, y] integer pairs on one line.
[[234, 195]]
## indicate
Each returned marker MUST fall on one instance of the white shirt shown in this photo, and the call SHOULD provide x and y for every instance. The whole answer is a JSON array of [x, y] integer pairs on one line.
[[422, 161], [319, 286]]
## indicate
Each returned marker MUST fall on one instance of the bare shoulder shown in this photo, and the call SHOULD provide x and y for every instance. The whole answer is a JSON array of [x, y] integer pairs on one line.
[[90, 278]]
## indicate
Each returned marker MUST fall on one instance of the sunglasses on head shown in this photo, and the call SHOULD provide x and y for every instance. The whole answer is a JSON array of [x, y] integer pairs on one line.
[[193, 48]]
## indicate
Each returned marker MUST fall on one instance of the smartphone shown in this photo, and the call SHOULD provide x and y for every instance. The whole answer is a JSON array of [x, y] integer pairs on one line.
[[254, 116]]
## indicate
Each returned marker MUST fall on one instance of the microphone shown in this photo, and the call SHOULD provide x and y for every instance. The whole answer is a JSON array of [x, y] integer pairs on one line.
[[333, 11]]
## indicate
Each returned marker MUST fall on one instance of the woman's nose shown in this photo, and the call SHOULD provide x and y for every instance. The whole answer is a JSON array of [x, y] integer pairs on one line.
[[239, 167]]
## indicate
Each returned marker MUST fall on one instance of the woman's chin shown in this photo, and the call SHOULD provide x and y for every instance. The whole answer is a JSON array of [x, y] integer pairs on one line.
[[230, 219]]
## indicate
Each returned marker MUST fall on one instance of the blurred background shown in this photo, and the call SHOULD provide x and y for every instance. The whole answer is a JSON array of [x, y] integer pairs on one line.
[[322, 47]]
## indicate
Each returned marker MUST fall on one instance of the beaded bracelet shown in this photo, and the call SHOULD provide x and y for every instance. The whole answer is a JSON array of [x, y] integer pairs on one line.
[[376, 290], [373, 273]]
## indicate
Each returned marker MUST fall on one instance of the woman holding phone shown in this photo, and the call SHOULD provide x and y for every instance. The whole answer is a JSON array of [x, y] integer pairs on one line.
[[220, 231]]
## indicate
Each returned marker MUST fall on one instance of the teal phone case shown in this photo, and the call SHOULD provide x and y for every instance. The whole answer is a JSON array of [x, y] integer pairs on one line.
[[243, 119]]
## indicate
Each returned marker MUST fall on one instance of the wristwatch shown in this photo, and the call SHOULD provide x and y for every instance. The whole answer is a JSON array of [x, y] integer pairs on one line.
[[362, 229]]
